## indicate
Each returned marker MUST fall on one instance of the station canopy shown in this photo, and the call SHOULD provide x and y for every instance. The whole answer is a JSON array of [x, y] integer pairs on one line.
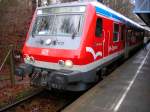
[[142, 9]]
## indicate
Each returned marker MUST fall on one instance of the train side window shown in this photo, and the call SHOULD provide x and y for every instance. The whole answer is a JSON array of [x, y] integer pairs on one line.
[[99, 27], [116, 32]]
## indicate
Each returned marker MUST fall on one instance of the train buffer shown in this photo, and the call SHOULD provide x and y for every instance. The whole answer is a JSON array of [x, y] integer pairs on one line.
[[127, 89]]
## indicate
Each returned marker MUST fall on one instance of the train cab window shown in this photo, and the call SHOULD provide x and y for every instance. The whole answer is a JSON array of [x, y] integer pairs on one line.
[[116, 33], [99, 27]]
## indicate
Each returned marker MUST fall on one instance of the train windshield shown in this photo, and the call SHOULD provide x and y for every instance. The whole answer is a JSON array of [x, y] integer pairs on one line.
[[58, 25]]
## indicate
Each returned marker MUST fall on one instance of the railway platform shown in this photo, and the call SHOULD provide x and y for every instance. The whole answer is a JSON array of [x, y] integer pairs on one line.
[[127, 89]]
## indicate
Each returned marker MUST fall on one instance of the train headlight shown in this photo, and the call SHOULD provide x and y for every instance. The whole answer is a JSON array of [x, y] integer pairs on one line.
[[29, 59], [68, 63], [48, 42]]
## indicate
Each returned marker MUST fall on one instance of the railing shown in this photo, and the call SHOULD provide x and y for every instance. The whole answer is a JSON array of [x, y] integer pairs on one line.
[[7, 63]]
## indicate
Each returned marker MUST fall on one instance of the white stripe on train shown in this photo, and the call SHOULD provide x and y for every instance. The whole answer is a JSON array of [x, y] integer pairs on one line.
[[82, 68]]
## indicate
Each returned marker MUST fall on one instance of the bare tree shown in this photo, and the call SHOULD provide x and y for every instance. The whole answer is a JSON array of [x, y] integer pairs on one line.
[[124, 7], [41, 2]]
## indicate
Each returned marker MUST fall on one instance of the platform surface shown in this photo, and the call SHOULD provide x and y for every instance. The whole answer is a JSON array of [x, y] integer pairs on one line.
[[127, 89]]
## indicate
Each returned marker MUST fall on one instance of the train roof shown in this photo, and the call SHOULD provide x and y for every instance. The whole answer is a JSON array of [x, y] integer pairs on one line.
[[103, 10]]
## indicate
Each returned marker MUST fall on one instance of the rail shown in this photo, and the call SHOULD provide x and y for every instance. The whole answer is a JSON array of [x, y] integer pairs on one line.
[[29, 95]]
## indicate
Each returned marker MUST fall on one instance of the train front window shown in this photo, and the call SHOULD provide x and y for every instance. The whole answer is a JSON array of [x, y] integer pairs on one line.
[[42, 25], [58, 25]]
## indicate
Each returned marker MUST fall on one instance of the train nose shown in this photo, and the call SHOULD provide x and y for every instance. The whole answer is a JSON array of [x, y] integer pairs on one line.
[[50, 79]]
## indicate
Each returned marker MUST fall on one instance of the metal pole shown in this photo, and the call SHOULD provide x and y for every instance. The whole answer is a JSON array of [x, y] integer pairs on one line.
[[37, 3], [12, 66]]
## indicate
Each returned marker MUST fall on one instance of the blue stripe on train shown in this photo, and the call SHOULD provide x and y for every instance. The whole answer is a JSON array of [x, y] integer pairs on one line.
[[108, 14], [113, 16]]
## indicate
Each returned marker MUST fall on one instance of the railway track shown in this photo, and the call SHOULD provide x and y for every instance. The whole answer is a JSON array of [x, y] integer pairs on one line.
[[43, 101], [13, 104]]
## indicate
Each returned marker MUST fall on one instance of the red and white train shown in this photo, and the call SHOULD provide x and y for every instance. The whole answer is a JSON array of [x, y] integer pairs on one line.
[[68, 43]]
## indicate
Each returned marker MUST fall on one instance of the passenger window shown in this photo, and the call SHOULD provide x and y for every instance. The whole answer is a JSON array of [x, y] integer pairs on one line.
[[99, 27], [116, 33]]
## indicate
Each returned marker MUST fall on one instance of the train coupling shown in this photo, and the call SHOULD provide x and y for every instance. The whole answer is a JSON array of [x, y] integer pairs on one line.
[[23, 69]]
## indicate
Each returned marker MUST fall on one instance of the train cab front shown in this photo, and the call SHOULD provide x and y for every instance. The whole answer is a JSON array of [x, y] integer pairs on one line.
[[53, 52]]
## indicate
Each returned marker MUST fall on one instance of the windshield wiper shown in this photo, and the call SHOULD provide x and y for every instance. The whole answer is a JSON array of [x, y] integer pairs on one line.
[[74, 34]]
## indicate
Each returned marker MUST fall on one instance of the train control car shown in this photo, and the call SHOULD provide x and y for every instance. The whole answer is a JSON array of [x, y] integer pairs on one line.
[[68, 43]]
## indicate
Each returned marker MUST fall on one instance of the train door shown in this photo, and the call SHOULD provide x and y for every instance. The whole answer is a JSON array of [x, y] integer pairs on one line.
[[107, 29], [127, 38], [122, 38], [99, 37], [115, 47]]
